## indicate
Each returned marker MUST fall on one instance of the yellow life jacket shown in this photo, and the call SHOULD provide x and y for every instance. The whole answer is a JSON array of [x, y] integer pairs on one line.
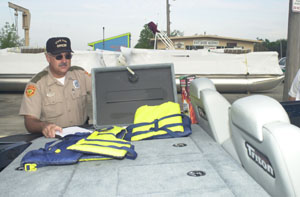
[[105, 143], [100, 145], [160, 121]]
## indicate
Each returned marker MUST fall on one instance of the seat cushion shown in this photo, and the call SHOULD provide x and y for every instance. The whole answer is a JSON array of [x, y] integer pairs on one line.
[[252, 112]]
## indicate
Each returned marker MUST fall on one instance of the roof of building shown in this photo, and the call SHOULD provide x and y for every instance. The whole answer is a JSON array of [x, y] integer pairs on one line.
[[214, 37], [110, 38]]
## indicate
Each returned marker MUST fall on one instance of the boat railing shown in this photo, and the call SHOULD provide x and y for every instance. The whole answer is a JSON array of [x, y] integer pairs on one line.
[[165, 39]]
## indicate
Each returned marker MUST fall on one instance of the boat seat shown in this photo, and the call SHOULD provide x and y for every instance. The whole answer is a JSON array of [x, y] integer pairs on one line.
[[211, 110], [196, 86], [267, 144]]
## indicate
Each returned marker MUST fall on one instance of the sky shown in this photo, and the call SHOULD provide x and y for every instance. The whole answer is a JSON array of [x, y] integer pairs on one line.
[[83, 20]]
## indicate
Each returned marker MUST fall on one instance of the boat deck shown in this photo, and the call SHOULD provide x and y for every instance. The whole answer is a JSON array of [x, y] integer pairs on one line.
[[159, 170]]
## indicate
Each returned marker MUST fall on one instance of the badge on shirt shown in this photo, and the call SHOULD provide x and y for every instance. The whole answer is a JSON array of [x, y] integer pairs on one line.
[[76, 84], [30, 90]]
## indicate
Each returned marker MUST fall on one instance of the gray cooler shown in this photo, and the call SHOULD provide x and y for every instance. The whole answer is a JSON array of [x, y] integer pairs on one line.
[[119, 91]]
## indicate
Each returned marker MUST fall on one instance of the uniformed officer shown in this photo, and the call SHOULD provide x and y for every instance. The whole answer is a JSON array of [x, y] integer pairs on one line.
[[57, 96]]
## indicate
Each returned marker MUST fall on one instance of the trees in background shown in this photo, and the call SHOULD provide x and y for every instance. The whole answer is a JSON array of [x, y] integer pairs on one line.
[[145, 37], [279, 45], [175, 33], [9, 37]]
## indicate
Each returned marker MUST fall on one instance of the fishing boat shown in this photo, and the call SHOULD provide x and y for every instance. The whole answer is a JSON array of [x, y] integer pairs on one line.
[[249, 148]]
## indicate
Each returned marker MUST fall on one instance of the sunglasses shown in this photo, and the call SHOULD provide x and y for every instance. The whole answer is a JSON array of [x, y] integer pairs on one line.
[[59, 57]]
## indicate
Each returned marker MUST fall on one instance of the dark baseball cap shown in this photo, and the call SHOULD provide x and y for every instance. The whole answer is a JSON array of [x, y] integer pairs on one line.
[[58, 45]]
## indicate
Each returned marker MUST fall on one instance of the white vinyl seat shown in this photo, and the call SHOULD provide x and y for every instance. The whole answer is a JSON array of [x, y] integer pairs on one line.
[[196, 86], [267, 144], [211, 110]]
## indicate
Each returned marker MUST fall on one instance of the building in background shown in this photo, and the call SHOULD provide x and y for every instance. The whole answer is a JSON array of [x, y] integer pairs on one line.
[[112, 43], [209, 42]]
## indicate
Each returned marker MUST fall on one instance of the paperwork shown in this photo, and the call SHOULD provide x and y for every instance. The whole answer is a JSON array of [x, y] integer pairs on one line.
[[72, 130]]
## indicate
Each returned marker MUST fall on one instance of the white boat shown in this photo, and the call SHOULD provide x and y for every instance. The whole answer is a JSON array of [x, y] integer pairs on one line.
[[255, 71]]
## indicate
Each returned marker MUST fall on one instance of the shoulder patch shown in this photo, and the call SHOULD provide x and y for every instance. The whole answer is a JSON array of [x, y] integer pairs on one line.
[[38, 76], [75, 68], [30, 90]]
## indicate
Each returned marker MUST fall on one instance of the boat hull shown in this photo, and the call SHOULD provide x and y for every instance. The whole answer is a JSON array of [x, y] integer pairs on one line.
[[257, 71], [223, 83]]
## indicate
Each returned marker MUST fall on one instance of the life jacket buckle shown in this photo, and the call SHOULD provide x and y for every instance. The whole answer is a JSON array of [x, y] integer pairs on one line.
[[30, 167]]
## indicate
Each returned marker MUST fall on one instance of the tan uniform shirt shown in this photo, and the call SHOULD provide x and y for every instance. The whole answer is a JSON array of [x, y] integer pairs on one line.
[[64, 105]]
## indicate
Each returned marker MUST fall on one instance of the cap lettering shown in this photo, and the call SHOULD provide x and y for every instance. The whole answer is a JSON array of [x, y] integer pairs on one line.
[[60, 40], [61, 45]]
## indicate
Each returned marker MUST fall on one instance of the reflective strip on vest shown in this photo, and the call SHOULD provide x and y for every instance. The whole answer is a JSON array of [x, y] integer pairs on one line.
[[105, 143]]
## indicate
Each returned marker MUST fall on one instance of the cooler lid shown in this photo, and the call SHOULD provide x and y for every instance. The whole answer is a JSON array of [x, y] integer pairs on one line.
[[118, 91]]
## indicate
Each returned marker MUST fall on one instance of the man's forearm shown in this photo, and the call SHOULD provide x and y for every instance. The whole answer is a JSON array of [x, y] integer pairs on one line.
[[34, 125]]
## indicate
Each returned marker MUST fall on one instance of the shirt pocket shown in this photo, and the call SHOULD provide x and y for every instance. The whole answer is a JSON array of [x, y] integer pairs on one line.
[[80, 98], [53, 107]]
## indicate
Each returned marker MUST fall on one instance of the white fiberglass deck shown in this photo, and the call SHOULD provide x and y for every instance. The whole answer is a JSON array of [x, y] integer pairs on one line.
[[159, 170]]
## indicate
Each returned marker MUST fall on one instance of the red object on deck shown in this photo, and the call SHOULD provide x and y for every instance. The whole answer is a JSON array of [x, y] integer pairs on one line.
[[185, 97]]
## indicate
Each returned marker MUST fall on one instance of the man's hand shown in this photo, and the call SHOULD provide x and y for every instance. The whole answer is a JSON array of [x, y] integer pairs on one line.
[[49, 130], [34, 125]]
